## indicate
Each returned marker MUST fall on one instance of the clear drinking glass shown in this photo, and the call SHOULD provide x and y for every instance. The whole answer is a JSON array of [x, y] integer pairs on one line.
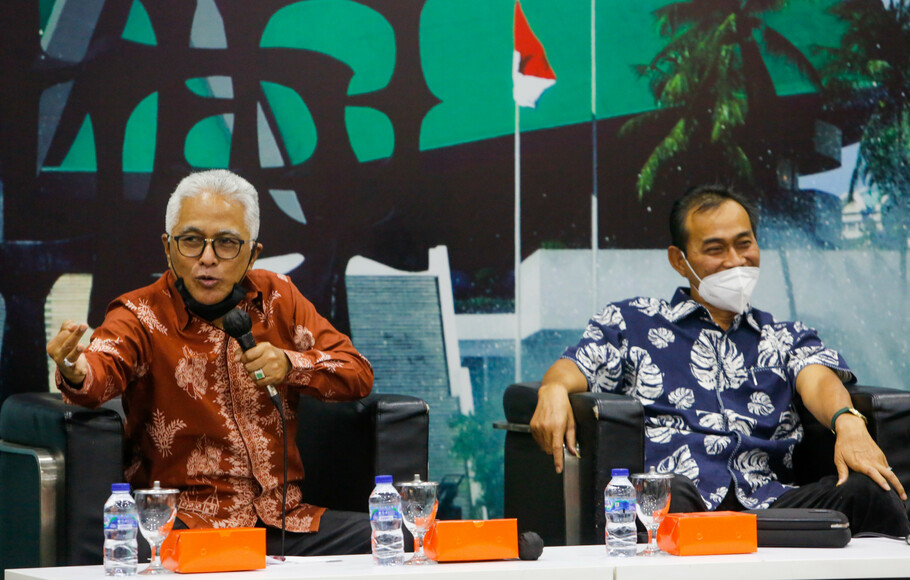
[[157, 509], [418, 507], [652, 495]]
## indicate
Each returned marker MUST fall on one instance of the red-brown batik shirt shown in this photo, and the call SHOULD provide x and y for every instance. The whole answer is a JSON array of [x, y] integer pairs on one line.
[[194, 418]]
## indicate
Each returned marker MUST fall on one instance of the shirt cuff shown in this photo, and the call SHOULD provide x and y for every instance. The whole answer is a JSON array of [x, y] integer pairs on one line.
[[302, 368], [62, 383]]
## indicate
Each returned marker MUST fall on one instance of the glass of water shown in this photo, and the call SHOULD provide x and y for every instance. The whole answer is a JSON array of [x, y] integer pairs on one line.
[[418, 507], [652, 495], [157, 509]]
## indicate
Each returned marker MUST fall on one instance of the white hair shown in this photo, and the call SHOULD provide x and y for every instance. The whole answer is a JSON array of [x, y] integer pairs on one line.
[[221, 182]]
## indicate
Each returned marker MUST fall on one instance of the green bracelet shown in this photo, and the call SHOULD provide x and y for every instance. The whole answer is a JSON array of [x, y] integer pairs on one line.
[[850, 410]]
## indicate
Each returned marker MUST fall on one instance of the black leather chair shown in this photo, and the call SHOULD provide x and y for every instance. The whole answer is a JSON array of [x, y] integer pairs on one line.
[[57, 462], [567, 509]]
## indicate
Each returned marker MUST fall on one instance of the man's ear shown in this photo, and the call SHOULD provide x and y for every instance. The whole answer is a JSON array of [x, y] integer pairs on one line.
[[167, 250], [678, 261], [254, 255]]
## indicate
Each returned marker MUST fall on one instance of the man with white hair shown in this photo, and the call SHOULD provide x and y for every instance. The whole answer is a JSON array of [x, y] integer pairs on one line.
[[198, 416]]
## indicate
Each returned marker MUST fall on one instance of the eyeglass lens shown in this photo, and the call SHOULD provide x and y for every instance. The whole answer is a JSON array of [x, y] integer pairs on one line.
[[194, 246]]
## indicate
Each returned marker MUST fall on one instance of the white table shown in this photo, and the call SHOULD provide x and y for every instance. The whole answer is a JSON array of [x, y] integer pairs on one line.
[[862, 558]]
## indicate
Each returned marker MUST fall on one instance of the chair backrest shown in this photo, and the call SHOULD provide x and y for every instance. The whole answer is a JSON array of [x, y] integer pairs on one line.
[[345, 445]]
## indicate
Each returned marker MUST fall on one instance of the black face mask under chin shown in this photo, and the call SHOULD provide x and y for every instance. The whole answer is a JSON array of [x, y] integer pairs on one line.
[[210, 312]]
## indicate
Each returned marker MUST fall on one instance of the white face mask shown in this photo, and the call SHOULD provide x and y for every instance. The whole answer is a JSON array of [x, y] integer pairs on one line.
[[728, 289]]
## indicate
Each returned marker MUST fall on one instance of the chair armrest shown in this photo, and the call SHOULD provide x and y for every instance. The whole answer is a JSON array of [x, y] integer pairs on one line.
[[533, 491], [610, 433], [402, 429], [610, 429], [519, 402], [90, 445], [345, 445]]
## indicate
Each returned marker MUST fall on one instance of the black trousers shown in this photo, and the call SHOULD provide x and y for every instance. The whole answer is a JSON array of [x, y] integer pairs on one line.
[[340, 532], [869, 508]]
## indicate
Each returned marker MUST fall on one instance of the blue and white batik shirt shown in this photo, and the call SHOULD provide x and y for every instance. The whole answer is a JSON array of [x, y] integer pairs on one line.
[[718, 405]]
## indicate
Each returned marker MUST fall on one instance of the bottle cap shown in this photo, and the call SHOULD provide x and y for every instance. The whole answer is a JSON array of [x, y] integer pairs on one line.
[[620, 472], [115, 487], [383, 479]]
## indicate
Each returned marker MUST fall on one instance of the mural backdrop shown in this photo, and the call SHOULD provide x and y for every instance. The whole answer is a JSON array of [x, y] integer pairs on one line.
[[385, 128]]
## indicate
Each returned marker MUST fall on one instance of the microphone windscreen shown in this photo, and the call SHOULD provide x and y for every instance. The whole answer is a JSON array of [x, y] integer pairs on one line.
[[237, 324], [530, 546]]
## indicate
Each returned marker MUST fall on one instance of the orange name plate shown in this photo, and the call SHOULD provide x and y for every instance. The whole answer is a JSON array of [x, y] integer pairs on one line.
[[467, 540], [209, 550], [698, 534]]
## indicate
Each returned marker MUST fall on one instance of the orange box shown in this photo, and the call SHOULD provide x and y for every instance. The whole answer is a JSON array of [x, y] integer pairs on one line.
[[210, 550], [698, 534], [467, 540]]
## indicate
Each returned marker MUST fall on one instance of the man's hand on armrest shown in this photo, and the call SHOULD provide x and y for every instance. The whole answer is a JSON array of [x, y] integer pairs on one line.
[[553, 422]]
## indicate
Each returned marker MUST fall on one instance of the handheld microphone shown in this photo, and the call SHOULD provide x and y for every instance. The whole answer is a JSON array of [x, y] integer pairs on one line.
[[238, 325]]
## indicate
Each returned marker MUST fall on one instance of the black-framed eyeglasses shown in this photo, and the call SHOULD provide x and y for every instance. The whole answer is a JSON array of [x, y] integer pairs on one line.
[[193, 246]]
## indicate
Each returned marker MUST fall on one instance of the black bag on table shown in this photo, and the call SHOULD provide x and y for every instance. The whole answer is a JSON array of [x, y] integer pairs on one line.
[[801, 528]]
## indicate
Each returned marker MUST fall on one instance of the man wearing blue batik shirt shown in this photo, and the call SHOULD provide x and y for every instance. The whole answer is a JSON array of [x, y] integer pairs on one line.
[[717, 379]]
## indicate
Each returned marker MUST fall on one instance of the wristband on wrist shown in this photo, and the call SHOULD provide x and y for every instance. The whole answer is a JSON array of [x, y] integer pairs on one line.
[[850, 410]]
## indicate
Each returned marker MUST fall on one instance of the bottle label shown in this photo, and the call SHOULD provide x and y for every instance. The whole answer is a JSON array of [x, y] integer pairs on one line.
[[120, 523], [385, 514], [622, 506]]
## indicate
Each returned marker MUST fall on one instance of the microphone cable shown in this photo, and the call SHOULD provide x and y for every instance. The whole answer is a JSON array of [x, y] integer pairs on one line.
[[284, 488]]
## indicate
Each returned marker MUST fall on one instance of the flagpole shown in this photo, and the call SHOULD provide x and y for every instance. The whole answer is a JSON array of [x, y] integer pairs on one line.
[[531, 76], [594, 210], [517, 263]]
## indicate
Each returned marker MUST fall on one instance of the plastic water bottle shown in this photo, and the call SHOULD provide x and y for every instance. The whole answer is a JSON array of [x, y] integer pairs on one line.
[[121, 524], [619, 511], [385, 518]]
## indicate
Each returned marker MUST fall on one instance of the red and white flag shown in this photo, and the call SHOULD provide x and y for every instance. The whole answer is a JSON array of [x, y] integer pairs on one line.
[[531, 73]]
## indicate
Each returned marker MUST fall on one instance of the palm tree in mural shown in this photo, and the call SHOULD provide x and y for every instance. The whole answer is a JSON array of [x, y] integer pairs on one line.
[[709, 80], [870, 70]]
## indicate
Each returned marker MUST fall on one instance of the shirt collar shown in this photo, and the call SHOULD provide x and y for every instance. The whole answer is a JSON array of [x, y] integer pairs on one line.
[[253, 299], [682, 305], [750, 319]]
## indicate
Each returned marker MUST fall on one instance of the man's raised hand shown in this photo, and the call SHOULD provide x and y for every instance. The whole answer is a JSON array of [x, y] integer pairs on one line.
[[67, 353]]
